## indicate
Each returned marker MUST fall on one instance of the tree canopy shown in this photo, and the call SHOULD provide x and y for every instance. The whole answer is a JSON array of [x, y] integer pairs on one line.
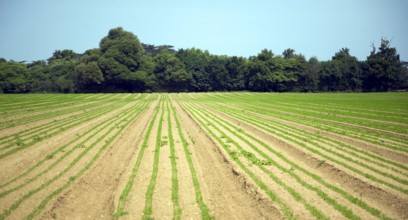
[[122, 63]]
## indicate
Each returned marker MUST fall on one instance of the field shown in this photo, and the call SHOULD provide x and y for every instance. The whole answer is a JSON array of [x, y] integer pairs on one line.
[[204, 155]]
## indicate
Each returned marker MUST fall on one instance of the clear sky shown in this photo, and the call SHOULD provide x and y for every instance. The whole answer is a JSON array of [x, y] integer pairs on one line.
[[34, 29]]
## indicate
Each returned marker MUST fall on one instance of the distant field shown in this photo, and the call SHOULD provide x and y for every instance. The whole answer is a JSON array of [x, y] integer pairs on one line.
[[204, 155]]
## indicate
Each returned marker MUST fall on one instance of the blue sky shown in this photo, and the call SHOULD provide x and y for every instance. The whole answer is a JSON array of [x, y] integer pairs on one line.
[[33, 30]]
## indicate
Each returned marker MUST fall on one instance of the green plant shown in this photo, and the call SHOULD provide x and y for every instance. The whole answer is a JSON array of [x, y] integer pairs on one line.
[[320, 163]]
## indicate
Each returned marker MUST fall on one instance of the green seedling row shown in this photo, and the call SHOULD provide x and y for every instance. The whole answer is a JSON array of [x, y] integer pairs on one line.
[[110, 135], [344, 210]]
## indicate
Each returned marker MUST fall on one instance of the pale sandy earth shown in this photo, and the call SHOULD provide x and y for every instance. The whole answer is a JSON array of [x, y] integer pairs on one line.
[[82, 172]]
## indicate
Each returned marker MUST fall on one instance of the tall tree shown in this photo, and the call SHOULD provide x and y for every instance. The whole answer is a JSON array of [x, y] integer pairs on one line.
[[288, 53], [310, 80], [87, 73], [237, 68], [170, 73], [121, 60], [220, 78], [61, 71], [13, 77], [196, 62], [383, 70], [272, 73], [295, 71], [64, 55], [39, 77], [350, 70], [342, 73], [258, 69]]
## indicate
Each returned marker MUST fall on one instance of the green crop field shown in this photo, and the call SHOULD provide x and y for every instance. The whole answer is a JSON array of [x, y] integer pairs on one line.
[[204, 155]]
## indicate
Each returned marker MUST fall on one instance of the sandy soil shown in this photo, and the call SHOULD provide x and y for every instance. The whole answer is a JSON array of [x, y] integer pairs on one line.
[[92, 163], [387, 200]]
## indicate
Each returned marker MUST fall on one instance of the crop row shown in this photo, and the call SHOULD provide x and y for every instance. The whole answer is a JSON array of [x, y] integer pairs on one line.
[[338, 153], [387, 140], [244, 148], [164, 109], [15, 142], [100, 135]]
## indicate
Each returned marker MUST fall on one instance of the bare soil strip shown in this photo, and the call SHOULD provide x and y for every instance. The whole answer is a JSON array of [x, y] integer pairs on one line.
[[51, 109], [18, 128], [135, 202], [225, 188], [184, 156], [338, 122], [396, 156], [374, 195], [60, 177], [189, 207], [25, 158], [335, 111], [96, 188]]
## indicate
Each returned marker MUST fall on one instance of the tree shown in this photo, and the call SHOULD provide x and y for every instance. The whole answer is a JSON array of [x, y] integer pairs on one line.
[[383, 70], [237, 68], [88, 74], [122, 47], [39, 77], [342, 73], [123, 64], [258, 69], [288, 53], [121, 60], [13, 77], [295, 69], [350, 71], [220, 79], [64, 55], [310, 80], [170, 73], [273, 73], [61, 73], [196, 63]]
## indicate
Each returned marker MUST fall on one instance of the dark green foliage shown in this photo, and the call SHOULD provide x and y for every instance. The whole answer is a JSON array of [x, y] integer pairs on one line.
[[196, 61], [121, 56], [64, 55], [154, 50], [123, 64], [220, 79], [237, 68], [342, 73], [88, 74], [13, 77], [268, 72], [383, 70], [170, 73]]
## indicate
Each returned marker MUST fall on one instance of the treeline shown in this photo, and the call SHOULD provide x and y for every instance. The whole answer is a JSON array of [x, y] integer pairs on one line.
[[123, 64]]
